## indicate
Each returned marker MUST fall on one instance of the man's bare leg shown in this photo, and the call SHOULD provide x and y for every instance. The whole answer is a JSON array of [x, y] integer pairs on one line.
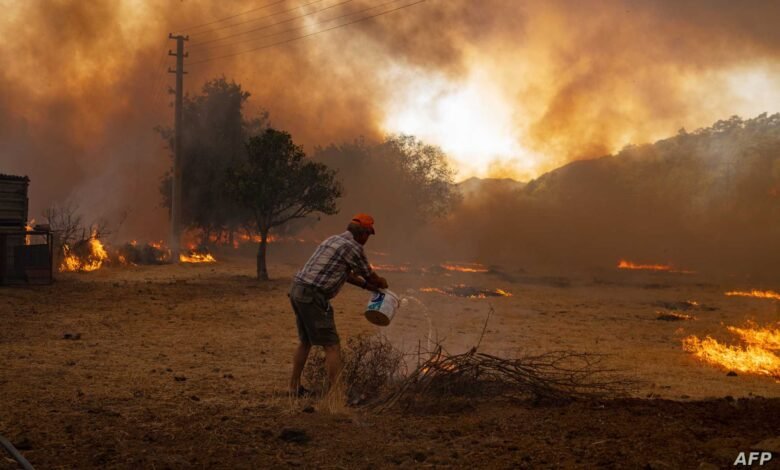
[[333, 364], [299, 361]]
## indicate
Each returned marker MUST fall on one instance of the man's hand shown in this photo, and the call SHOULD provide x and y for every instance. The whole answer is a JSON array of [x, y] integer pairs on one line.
[[377, 281]]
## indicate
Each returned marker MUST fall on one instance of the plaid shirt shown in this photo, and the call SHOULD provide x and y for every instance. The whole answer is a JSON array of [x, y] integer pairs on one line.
[[328, 267]]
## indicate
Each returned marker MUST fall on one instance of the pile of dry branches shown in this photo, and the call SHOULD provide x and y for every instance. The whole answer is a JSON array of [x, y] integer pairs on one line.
[[550, 377], [371, 368], [375, 375]]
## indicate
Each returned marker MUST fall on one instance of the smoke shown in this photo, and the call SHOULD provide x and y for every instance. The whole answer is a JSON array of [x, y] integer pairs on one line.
[[84, 83]]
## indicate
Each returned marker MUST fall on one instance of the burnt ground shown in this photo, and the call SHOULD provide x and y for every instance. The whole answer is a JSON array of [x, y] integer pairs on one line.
[[182, 367]]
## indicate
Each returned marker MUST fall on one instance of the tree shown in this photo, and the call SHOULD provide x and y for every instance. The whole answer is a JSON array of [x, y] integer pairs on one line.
[[277, 184], [214, 132], [401, 181]]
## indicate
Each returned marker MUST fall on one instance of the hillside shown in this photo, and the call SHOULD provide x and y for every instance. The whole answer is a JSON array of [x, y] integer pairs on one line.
[[708, 199]]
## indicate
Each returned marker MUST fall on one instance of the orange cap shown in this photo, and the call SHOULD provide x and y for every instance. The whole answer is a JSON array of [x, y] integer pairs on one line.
[[364, 220]]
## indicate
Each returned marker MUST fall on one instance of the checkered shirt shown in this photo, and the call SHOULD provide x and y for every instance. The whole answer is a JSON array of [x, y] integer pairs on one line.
[[328, 267]]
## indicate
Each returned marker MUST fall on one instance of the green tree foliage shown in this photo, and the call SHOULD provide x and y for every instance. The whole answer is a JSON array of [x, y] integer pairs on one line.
[[214, 130], [277, 184]]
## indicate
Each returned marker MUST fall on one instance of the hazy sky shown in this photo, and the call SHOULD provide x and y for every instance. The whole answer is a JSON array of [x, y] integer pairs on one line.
[[507, 88]]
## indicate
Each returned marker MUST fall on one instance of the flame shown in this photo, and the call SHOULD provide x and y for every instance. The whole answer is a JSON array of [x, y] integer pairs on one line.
[[756, 357], [462, 290], [624, 264], [28, 228], [244, 237], [759, 294], [391, 268], [466, 267], [433, 289], [750, 359], [91, 261], [753, 334], [672, 315], [194, 257]]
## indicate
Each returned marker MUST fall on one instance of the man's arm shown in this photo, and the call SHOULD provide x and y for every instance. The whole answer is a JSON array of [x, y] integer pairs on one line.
[[356, 280], [373, 282]]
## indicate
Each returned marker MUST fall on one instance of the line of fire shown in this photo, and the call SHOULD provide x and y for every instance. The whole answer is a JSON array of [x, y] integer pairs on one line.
[[389, 233]]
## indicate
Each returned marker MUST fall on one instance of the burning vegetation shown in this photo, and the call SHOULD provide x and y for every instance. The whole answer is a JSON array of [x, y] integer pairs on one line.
[[85, 256], [462, 290], [465, 267], [628, 265], [196, 257], [758, 294], [398, 268], [756, 356]]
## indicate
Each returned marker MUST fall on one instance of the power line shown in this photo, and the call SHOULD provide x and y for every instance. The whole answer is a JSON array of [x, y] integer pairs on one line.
[[310, 34], [256, 19], [270, 25], [232, 16], [298, 28]]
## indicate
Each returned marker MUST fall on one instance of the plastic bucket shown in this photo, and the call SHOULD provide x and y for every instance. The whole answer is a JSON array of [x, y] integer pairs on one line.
[[381, 308]]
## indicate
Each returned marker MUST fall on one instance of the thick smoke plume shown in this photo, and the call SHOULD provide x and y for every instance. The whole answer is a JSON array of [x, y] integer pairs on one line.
[[84, 83]]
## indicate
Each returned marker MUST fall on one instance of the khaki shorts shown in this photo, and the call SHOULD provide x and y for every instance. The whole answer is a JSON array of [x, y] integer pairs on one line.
[[313, 316]]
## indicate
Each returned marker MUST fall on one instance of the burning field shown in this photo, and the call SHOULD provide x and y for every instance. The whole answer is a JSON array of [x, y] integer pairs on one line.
[[130, 365], [576, 205]]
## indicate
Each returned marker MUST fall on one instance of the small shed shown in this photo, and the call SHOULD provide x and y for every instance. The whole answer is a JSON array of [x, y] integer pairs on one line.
[[26, 253]]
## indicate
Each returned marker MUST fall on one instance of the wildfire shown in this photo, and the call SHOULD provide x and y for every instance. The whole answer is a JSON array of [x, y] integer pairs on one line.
[[759, 294], [392, 267], [462, 290], [757, 357], [28, 228], [762, 337], [466, 267], [623, 264], [194, 257], [86, 257], [673, 316]]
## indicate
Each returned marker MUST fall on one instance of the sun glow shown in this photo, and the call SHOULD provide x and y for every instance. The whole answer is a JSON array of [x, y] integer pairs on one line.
[[471, 120]]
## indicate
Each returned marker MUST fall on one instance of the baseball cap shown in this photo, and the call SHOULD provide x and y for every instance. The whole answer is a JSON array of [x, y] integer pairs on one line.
[[364, 220]]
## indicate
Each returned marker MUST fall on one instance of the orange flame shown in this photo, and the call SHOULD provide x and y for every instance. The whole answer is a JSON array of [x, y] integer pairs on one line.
[[759, 294], [757, 357], [91, 261], [461, 290], [466, 268], [750, 359], [391, 268], [194, 257], [28, 228], [766, 338], [624, 264], [433, 289]]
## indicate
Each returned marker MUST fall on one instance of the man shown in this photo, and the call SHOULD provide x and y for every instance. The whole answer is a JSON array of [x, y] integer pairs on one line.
[[337, 260]]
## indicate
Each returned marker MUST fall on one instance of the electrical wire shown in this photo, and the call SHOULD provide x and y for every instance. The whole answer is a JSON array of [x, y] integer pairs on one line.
[[199, 44], [256, 19], [209, 59], [190, 28]]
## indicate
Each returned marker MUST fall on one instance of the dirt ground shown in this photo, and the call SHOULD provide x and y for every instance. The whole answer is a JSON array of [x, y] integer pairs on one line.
[[184, 367]]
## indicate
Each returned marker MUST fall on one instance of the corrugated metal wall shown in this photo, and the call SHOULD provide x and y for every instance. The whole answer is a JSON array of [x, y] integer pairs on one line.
[[13, 202]]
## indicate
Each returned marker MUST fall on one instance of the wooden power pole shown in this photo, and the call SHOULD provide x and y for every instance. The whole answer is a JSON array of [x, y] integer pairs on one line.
[[176, 203]]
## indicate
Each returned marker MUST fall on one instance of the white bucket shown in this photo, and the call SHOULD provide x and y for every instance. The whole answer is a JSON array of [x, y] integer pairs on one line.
[[381, 308]]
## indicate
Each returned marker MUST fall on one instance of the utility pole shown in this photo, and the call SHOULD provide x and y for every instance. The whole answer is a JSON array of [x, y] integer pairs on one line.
[[176, 192]]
